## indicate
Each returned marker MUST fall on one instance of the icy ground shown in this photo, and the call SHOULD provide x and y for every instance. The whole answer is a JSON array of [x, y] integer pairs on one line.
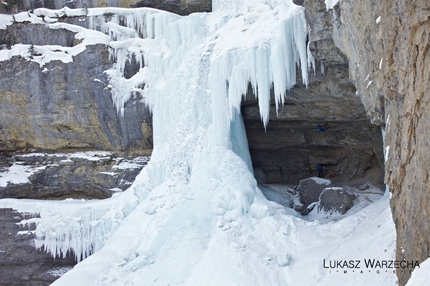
[[280, 249], [195, 215]]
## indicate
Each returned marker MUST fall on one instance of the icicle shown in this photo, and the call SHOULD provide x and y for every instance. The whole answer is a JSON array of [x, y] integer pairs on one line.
[[311, 60]]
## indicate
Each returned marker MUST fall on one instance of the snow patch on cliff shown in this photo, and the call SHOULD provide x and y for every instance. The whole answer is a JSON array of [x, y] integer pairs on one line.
[[331, 3]]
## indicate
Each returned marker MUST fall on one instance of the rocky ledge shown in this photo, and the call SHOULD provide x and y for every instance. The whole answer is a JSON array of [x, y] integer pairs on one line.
[[89, 175]]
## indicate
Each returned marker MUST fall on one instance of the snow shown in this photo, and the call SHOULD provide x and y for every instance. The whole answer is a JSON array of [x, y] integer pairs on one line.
[[420, 276], [386, 153], [17, 174], [331, 3], [47, 53], [24, 232], [321, 181], [33, 155], [378, 20], [195, 215], [388, 124], [127, 165], [367, 78], [113, 174], [91, 155], [58, 271]]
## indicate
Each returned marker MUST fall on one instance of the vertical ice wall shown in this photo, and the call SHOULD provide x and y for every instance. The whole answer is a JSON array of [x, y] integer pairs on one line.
[[194, 72]]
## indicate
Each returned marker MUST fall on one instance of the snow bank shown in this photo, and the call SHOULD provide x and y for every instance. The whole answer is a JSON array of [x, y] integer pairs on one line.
[[420, 276]]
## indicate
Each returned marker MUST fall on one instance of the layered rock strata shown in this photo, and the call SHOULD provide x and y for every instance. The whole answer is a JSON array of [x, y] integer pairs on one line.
[[88, 175], [65, 105]]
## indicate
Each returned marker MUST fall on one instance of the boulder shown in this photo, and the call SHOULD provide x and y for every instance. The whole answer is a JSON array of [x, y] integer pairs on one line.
[[335, 199], [310, 190]]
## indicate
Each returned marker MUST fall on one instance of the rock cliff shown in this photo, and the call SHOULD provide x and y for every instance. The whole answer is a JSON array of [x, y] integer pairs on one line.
[[65, 105], [387, 45]]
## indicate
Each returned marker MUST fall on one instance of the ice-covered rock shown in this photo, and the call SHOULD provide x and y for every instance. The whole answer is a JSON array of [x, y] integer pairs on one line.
[[20, 262]]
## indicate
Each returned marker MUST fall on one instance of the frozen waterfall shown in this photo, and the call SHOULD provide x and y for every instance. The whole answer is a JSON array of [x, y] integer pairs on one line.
[[195, 71], [194, 215]]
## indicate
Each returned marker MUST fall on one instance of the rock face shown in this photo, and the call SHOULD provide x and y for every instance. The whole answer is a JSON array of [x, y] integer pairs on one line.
[[65, 105], [20, 262], [291, 147], [387, 45], [406, 82]]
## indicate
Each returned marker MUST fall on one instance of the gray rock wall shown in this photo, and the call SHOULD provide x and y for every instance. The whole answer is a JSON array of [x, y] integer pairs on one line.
[[65, 105], [387, 45]]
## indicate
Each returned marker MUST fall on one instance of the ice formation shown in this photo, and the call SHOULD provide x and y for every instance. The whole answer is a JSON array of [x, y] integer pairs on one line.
[[194, 215]]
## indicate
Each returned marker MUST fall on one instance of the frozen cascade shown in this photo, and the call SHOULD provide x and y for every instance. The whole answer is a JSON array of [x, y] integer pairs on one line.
[[197, 194]]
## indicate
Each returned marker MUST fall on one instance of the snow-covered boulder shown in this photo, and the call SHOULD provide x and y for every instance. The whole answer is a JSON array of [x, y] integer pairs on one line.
[[310, 190], [335, 199]]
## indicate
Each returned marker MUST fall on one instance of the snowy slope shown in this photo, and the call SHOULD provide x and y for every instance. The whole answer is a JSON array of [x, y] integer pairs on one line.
[[420, 276], [195, 216]]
